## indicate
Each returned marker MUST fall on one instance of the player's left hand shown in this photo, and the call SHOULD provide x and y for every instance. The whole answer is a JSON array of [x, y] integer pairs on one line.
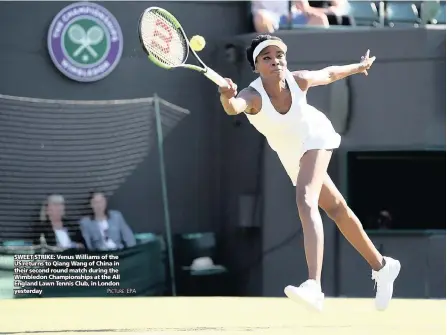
[[366, 62]]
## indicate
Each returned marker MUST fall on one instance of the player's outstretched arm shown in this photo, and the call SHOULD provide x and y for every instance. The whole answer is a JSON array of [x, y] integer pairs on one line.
[[232, 102], [328, 75]]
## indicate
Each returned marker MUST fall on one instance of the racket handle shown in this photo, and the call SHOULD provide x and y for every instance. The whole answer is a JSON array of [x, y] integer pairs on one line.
[[216, 78]]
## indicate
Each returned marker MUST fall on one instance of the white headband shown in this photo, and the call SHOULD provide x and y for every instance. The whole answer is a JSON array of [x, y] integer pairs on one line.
[[261, 46]]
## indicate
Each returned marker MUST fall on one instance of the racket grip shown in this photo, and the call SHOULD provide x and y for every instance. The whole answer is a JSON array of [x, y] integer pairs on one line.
[[216, 78]]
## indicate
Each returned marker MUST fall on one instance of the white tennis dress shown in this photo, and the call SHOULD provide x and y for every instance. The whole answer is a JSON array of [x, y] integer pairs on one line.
[[302, 128]]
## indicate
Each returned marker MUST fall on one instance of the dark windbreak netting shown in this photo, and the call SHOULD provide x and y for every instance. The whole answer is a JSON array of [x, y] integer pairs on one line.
[[70, 147]]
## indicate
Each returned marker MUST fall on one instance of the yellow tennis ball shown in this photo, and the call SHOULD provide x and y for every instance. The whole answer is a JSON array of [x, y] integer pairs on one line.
[[197, 43]]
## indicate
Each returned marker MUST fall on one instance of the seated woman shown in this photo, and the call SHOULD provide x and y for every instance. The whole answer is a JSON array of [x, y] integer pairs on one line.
[[105, 229], [333, 9], [269, 16], [55, 228]]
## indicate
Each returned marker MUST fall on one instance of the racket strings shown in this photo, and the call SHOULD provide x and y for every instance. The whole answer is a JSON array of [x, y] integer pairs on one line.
[[162, 39]]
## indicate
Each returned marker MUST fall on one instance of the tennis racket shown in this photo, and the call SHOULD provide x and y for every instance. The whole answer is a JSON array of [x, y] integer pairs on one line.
[[165, 42]]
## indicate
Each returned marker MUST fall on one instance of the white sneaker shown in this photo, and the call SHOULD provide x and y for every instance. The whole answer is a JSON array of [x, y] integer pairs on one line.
[[308, 293], [384, 279]]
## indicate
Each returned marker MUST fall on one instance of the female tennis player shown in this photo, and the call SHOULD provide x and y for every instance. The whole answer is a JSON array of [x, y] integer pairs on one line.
[[303, 137]]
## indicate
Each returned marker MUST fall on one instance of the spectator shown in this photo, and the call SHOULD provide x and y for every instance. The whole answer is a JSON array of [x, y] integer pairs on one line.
[[56, 231], [384, 221], [336, 11], [105, 229], [334, 7], [268, 16]]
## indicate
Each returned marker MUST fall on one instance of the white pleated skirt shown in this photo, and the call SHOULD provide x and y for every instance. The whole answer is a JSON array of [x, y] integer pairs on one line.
[[315, 131]]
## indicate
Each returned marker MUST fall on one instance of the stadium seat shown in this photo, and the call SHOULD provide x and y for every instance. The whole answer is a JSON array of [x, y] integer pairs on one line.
[[364, 13], [398, 13], [440, 15], [429, 10]]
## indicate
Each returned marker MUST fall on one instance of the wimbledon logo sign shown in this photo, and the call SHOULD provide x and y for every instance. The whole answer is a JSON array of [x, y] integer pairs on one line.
[[85, 42]]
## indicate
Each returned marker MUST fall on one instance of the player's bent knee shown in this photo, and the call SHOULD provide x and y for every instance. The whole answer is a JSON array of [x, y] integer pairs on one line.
[[306, 202], [339, 210]]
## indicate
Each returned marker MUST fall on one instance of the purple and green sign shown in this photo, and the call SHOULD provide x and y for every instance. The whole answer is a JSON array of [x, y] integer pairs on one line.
[[85, 42]]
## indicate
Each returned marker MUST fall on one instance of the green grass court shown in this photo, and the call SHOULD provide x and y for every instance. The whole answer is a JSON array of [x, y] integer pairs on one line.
[[209, 316]]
